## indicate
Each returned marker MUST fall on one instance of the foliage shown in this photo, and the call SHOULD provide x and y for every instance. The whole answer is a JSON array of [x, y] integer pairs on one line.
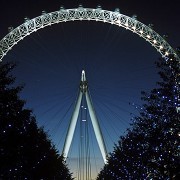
[[150, 149], [25, 150]]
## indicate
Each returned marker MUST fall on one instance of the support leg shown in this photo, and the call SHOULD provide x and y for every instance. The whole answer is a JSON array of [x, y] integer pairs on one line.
[[72, 126], [96, 127]]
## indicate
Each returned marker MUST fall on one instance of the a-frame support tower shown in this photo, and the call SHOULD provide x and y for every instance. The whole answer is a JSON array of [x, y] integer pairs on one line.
[[83, 91]]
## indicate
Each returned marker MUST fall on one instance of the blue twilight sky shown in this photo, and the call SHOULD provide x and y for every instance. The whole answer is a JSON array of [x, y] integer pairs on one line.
[[118, 64]]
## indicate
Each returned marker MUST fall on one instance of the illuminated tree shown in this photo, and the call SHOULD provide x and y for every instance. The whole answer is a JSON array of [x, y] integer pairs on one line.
[[25, 150], [150, 149]]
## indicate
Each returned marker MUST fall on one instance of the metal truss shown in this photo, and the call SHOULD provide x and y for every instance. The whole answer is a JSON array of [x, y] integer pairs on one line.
[[64, 15]]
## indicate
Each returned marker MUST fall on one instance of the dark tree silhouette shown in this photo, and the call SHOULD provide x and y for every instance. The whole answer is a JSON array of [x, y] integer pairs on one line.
[[25, 150], [150, 149]]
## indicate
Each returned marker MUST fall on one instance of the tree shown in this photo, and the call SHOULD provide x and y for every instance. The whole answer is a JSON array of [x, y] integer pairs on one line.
[[25, 150], [150, 149]]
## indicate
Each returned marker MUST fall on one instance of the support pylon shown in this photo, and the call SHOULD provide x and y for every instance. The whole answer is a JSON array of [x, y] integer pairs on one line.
[[83, 91]]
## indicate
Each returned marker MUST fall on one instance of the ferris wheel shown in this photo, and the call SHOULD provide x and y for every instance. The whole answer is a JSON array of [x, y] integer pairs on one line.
[[85, 14], [64, 15]]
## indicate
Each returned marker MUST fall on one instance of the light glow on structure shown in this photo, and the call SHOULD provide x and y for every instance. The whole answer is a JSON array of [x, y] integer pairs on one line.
[[84, 92], [89, 14]]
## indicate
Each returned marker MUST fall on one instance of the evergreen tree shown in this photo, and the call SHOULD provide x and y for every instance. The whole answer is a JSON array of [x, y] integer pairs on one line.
[[150, 149], [25, 150]]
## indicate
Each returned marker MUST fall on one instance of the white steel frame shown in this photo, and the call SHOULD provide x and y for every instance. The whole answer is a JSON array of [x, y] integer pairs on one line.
[[84, 91], [98, 14]]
